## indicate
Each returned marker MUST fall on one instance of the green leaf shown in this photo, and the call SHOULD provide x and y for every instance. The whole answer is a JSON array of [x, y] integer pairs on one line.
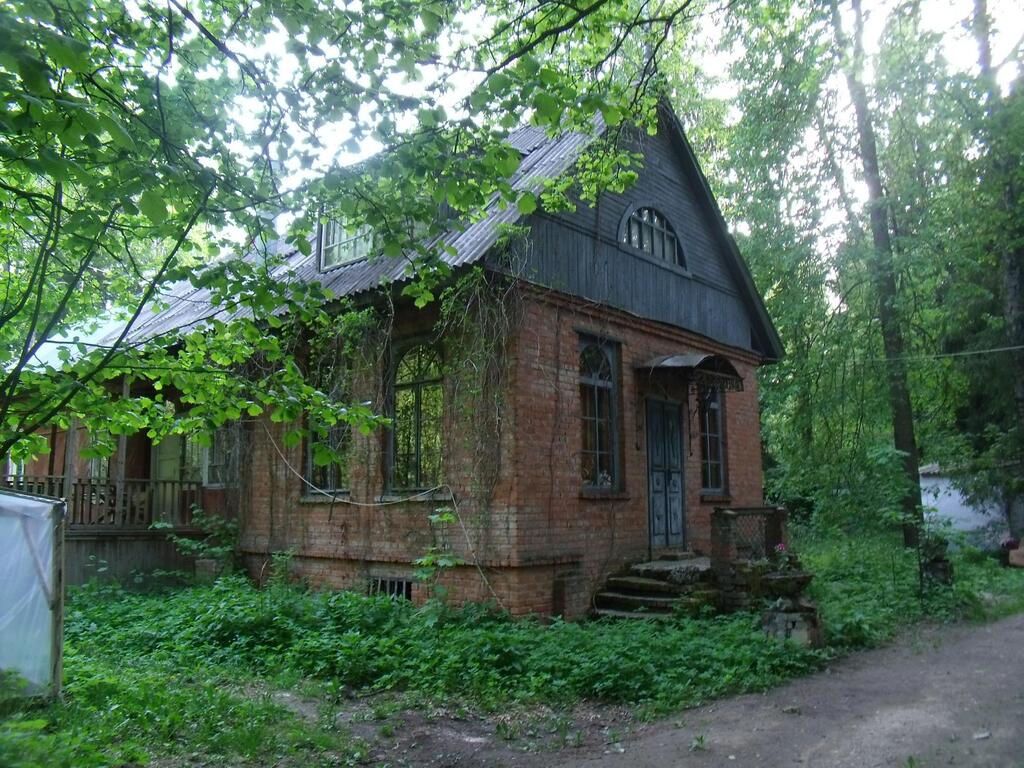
[[118, 133], [527, 203], [34, 75], [499, 82], [547, 108], [431, 21], [66, 51], [612, 115], [151, 203]]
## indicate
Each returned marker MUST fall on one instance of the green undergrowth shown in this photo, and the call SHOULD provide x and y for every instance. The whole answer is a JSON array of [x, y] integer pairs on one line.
[[867, 587], [474, 653], [188, 673]]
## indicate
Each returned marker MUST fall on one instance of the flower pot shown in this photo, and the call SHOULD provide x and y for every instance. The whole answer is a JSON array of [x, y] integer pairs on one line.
[[785, 584]]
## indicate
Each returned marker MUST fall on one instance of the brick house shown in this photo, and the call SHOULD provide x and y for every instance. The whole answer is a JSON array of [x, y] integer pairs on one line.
[[600, 403]]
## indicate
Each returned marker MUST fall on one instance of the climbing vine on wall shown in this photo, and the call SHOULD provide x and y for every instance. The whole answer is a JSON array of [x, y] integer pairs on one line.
[[479, 315]]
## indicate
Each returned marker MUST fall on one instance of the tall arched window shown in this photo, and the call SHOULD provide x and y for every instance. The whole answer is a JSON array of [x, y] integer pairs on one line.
[[648, 230], [712, 454], [416, 432], [598, 464]]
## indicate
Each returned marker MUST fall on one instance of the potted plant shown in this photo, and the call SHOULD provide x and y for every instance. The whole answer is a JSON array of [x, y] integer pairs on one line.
[[786, 577]]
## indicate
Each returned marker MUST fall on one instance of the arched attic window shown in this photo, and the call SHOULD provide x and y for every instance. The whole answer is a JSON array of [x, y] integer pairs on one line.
[[648, 230]]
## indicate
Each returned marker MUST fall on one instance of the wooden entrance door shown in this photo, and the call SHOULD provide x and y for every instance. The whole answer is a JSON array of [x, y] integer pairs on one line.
[[665, 474]]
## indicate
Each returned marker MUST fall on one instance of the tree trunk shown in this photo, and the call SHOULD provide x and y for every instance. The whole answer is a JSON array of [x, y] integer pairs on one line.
[[1002, 116], [883, 278]]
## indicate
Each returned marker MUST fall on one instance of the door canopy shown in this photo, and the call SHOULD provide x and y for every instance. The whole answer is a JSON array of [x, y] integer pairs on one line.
[[702, 369]]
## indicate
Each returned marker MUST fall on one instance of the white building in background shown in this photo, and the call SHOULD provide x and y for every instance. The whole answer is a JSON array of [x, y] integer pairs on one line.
[[985, 525]]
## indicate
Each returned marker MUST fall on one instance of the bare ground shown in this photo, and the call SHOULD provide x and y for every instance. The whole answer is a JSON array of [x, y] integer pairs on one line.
[[939, 696]]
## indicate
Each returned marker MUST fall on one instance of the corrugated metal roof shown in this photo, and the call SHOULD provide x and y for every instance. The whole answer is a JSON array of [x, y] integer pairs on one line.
[[182, 306]]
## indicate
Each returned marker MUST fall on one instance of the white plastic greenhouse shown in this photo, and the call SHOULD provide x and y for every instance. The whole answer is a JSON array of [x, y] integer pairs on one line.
[[31, 589]]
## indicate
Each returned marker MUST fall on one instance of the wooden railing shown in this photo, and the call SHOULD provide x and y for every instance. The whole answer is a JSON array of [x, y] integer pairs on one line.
[[746, 533], [129, 505]]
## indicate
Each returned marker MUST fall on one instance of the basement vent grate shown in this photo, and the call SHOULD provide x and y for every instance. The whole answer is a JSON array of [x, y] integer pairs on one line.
[[391, 586]]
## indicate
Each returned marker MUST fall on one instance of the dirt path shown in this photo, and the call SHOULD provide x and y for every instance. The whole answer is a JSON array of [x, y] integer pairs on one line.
[[941, 696], [947, 696]]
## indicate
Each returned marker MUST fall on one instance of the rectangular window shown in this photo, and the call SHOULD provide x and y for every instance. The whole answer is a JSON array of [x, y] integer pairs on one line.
[[192, 460], [221, 458], [711, 440], [599, 397], [391, 586], [327, 458], [99, 468], [341, 245], [14, 467], [328, 445]]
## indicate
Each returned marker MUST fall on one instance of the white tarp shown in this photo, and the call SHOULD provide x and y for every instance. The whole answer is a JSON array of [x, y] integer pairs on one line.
[[29, 598]]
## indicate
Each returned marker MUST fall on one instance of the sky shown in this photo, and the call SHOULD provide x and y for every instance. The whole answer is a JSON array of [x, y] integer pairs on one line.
[[943, 16]]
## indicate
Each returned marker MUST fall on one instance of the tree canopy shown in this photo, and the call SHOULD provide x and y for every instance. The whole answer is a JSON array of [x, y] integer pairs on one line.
[[875, 187], [789, 162], [143, 144]]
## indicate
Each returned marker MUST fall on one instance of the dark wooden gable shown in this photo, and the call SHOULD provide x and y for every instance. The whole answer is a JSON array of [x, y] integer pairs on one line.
[[581, 253]]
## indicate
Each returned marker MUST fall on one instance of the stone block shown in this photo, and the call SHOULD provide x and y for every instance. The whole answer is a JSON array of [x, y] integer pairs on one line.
[[1017, 557], [799, 626]]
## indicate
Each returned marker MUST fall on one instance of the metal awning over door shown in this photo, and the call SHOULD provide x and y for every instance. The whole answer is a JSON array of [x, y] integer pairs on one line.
[[703, 369]]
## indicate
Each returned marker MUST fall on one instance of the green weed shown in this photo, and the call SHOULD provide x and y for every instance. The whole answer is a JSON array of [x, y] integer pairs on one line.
[[183, 672]]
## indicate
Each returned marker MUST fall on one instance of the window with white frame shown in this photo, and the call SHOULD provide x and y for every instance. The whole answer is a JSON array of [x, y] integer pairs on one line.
[[340, 244], [648, 230], [712, 440]]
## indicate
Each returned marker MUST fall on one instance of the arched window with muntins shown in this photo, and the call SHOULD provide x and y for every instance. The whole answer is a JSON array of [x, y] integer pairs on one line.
[[649, 231], [416, 428], [598, 465]]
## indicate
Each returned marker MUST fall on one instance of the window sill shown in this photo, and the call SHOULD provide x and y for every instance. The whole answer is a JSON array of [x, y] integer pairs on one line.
[[651, 259], [596, 494], [412, 497], [323, 498], [708, 497], [325, 268]]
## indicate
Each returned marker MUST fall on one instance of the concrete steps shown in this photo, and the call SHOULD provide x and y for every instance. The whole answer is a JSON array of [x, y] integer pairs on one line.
[[611, 613], [674, 583]]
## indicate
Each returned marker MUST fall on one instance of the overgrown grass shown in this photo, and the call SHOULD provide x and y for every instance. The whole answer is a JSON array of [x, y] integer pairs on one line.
[[471, 653], [185, 673], [867, 588]]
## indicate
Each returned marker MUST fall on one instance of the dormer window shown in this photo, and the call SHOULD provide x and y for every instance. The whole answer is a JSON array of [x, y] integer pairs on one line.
[[340, 244], [648, 230]]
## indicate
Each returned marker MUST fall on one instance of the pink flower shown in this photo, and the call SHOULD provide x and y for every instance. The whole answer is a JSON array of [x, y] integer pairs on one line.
[[780, 547]]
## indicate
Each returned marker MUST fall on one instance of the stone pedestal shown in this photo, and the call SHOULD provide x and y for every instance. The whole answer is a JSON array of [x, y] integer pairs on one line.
[[1017, 557], [796, 620]]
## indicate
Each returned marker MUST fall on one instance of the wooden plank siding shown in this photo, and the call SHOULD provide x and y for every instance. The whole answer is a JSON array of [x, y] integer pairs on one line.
[[580, 253]]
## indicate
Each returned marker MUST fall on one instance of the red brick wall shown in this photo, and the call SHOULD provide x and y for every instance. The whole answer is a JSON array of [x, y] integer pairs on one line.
[[372, 531], [541, 545], [559, 523]]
